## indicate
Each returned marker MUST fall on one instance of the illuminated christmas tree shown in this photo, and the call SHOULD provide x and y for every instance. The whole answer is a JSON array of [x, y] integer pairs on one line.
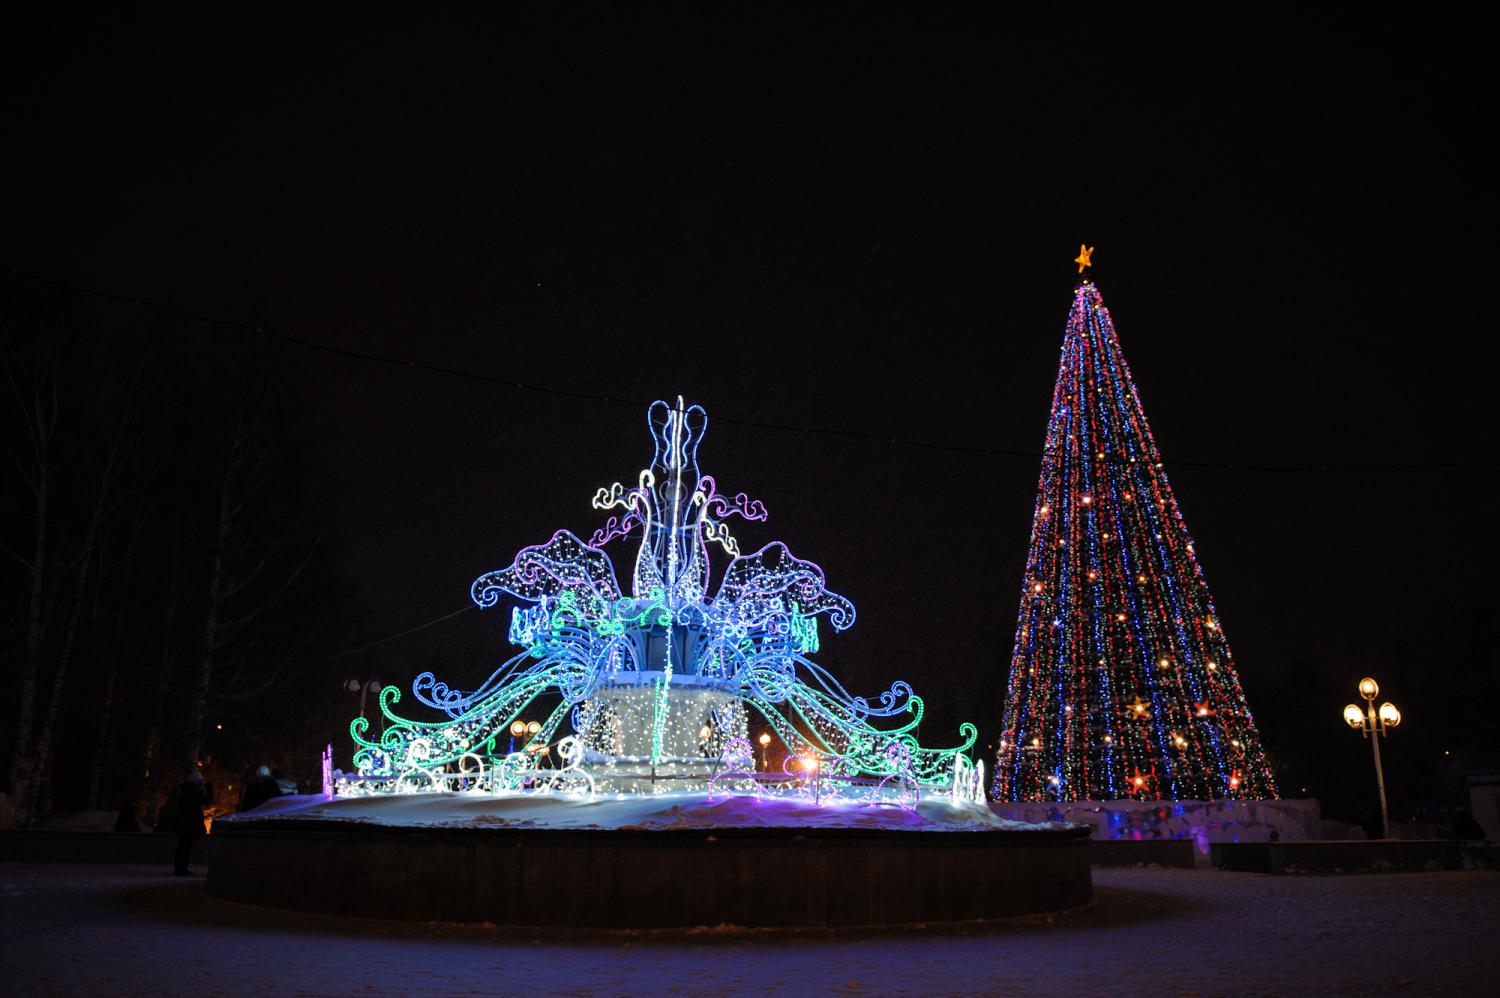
[[1121, 682]]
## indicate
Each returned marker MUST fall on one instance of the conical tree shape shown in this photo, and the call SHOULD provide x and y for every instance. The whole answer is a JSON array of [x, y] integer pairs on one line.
[[1121, 682]]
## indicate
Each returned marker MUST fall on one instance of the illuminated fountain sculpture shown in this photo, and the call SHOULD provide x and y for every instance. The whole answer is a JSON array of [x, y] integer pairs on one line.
[[658, 684], [630, 797]]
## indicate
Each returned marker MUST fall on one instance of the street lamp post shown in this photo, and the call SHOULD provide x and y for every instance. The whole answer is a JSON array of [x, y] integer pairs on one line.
[[364, 689], [765, 744], [1373, 724]]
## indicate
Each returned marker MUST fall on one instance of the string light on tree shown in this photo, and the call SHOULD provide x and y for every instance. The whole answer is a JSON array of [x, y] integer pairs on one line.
[[1115, 613]]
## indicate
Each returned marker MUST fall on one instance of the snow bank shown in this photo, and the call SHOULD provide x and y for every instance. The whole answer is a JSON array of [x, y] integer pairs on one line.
[[683, 809], [1289, 820]]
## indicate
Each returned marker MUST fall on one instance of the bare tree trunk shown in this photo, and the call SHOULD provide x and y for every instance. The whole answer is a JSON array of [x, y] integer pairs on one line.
[[148, 774], [198, 704], [240, 471], [39, 408], [238, 590], [31, 665], [103, 757], [41, 763], [46, 743], [102, 767]]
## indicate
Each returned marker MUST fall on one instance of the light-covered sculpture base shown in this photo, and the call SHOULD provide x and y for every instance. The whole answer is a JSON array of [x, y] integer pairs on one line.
[[639, 737]]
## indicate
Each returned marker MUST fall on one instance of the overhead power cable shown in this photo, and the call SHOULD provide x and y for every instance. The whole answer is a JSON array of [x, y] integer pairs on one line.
[[393, 637], [873, 437]]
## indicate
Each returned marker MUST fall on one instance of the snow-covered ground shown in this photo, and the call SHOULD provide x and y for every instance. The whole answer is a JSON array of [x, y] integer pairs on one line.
[[134, 931], [644, 811]]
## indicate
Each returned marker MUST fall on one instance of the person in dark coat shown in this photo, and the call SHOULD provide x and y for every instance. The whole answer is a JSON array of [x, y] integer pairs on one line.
[[127, 822], [192, 797], [1464, 825], [259, 790], [166, 816]]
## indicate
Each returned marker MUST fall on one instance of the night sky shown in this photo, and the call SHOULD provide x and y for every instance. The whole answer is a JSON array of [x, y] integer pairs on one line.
[[866, 232]]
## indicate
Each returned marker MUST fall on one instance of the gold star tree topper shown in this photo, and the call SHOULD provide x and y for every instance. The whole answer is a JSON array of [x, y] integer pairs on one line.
[[1082, 259]]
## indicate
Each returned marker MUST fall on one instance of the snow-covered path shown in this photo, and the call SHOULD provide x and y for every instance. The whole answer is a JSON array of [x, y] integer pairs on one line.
[[134, 931]]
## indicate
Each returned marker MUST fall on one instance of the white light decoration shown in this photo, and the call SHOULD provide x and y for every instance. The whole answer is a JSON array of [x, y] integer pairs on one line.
[[658, 685]]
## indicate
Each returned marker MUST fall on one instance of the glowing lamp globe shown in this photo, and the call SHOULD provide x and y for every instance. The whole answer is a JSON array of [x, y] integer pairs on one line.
[[518, 729], [1390, 715], [1368, 688], [1353, 716]]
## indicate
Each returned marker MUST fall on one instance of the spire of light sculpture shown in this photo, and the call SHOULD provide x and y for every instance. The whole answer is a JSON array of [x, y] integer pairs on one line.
[[658, 684]]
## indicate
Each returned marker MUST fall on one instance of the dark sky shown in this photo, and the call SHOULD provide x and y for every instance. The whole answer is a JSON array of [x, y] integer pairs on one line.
[[868, 231]]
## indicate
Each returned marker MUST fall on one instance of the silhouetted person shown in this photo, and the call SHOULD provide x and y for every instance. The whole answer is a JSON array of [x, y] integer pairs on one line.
[[127, 821], [166, 816], [1464, 825], [192, 797], [259, 790]]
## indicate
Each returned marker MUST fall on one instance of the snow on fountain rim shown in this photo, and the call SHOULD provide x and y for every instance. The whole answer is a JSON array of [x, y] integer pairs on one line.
[[653, 812]]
